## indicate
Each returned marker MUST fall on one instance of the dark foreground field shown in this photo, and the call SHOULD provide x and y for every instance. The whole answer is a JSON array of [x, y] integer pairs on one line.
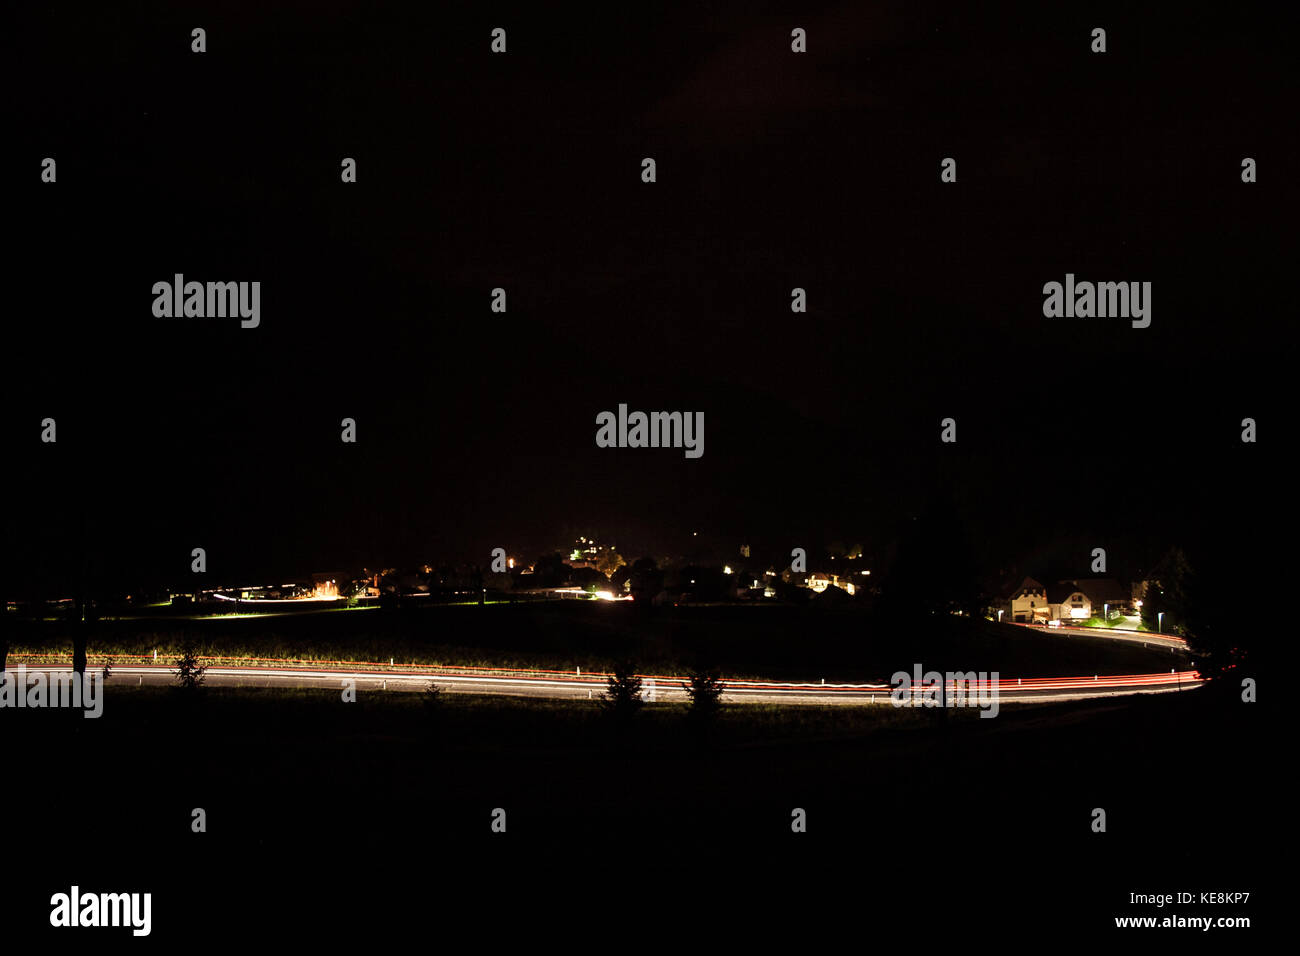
[[325, 818], [777, 642]]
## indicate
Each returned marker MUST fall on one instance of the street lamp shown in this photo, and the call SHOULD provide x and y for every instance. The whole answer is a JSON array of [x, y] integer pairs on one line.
[[1160, 617]]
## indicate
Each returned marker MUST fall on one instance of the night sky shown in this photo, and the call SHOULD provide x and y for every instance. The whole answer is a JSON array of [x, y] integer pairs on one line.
[[522, 170]]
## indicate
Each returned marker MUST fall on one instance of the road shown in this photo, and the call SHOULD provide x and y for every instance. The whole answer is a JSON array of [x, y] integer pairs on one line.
[[550, 684], [1132, 637]]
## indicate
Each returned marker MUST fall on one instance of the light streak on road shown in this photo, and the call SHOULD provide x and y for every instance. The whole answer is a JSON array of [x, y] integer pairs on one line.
[[569, 685]]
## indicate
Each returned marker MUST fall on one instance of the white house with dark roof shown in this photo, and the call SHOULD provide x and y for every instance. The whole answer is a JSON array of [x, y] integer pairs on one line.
[[1106, 594], [1067, 602], [1029, 601], [1033, 602]]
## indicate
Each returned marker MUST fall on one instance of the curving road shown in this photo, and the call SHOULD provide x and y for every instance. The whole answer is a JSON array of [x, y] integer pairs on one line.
[[571, 686]]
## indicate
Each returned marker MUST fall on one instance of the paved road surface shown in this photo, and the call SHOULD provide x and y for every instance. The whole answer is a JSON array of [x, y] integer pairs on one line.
[[553, 685]]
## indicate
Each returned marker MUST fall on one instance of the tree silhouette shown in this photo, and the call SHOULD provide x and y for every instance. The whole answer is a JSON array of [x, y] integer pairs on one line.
[[704, 688], [1168, 590], [190, 671], [647, 580], [622, 697], [609, 561], [433, 696], [1206, 594]]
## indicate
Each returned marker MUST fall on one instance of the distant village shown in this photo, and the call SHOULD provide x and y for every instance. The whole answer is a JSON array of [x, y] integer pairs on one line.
[[589, 570]]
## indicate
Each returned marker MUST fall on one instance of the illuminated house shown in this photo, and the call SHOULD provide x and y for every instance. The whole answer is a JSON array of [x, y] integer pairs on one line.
[[1068, 603], [820, 582], [1034, 602], [1029, 602], [1108, 596]]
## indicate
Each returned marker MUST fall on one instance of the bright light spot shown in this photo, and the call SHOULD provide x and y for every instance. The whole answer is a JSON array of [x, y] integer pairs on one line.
[[726, 569]]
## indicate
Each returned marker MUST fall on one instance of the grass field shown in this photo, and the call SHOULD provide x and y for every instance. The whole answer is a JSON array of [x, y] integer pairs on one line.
[[782, 643]]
